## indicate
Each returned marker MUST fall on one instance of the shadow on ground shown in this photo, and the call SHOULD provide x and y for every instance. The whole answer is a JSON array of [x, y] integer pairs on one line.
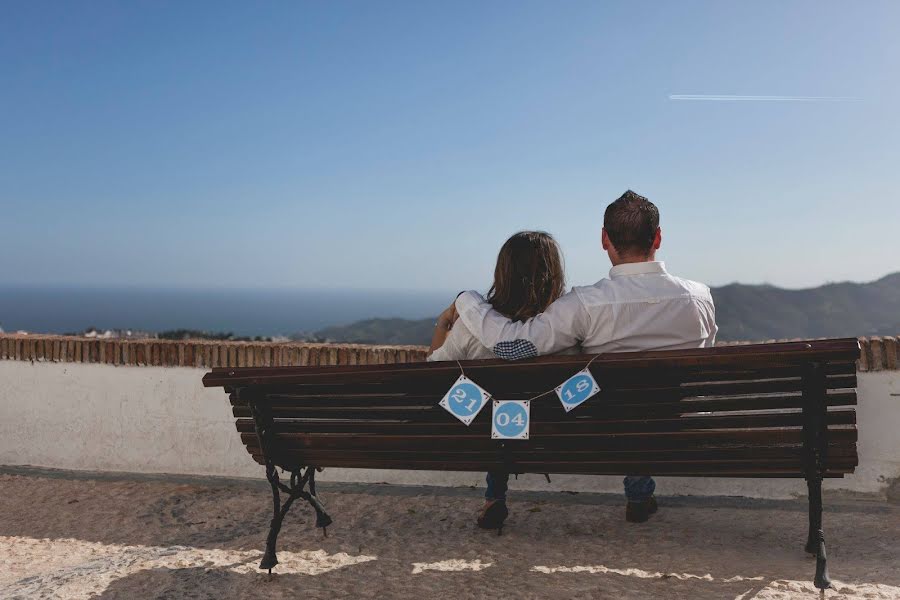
[[208, 584]]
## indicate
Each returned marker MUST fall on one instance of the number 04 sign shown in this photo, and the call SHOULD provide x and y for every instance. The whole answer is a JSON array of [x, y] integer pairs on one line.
[[511, 419]]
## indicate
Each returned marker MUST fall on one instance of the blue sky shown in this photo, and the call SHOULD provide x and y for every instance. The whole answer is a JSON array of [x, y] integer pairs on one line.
[[398, 144]]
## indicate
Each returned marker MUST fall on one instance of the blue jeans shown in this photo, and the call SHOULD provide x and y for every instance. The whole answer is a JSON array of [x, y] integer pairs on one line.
[[639, 488], [497, 484]]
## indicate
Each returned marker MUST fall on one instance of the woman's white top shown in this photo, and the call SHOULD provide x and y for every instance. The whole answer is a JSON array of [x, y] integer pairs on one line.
[[460, 344]]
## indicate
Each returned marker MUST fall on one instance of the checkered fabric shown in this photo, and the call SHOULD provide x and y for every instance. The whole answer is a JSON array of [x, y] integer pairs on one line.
[[515, 350]]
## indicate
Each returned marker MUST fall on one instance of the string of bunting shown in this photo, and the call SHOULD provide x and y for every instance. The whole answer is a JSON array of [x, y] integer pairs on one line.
[[512, 418]]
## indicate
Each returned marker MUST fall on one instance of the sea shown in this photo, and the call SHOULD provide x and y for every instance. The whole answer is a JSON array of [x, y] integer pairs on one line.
[[244, 312]]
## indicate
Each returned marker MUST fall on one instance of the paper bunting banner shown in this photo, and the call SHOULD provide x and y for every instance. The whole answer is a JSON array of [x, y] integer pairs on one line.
[[511, 419]]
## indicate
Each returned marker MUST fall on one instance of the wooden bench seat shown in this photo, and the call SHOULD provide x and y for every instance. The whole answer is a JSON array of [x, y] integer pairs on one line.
[[765, 410]]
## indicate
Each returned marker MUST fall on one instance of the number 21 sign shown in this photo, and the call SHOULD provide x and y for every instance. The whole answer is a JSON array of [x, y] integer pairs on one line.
[[465, 399]]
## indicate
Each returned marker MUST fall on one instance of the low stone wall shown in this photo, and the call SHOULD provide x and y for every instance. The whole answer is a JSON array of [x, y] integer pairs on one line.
[[876, 353], [199, 353], [74, 403]]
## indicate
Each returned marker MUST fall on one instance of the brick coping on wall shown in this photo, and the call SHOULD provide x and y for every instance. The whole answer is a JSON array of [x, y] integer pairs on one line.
[[198, 353], [877, 353]]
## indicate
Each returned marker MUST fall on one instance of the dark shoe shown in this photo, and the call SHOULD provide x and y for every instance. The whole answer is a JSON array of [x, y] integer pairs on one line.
[[493, 516], [639, 512]]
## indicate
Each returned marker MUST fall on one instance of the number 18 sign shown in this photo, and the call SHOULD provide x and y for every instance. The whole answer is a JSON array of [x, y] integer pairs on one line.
[[576, 389], [465, 399]]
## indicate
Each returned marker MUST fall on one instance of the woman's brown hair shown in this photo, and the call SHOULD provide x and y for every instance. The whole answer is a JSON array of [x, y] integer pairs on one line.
[[528, 277]]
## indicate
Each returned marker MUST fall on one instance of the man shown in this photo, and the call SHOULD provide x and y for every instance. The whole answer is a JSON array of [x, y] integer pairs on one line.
[[640, 307]]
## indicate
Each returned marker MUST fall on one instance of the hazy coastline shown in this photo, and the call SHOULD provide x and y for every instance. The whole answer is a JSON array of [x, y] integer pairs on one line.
[[273, 312], [743, 312]]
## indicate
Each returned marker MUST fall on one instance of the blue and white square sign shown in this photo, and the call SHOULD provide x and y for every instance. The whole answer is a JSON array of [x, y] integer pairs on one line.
[[576, 389], [465, 399], [511, 419]]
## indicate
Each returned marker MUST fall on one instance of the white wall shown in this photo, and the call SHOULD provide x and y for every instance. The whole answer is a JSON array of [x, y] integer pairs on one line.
[[161, 420]]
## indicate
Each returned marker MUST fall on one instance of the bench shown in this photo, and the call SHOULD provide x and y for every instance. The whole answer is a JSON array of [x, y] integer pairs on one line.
[[761, 411]]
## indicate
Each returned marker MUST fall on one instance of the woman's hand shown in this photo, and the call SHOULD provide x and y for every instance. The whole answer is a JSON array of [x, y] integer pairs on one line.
[[442, 326], [447, 318]]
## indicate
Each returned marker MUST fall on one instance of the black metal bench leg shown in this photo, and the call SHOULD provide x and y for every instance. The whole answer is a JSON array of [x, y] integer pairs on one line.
[[262, 418], [815, 518], [270, 558], [322, 518], [815, 445], [815, 540]]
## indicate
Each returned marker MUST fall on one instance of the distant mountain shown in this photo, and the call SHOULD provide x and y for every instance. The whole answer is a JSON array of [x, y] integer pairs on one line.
[[759, 312], [743, 312], [381, 331]]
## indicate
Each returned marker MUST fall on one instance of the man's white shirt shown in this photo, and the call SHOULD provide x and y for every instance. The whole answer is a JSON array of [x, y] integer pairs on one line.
[[640, 307]]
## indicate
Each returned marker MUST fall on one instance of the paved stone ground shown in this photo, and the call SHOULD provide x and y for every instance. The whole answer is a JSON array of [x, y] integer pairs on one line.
[[69, 535]]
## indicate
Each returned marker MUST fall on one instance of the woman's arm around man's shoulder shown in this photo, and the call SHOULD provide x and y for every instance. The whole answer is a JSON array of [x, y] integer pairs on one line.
[[563, 325]]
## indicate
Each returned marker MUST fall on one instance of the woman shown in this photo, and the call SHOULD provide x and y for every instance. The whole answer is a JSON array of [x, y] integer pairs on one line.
[[527, 279]]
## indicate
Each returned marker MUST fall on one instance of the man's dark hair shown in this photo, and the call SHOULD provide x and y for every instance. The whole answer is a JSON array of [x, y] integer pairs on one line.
[[631, 223]]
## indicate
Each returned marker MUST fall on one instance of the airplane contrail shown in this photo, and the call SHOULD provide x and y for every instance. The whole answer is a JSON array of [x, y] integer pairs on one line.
[[734, 98]]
